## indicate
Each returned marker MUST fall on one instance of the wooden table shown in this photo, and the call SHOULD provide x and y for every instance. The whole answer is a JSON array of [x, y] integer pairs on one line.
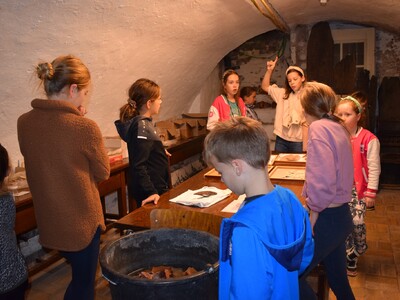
[[139, 219], [117, 182], [184, 149], [25, 220], [25, 216]]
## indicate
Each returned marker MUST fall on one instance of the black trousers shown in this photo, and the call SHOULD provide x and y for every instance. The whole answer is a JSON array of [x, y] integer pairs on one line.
[[84, 266], [330, 233]]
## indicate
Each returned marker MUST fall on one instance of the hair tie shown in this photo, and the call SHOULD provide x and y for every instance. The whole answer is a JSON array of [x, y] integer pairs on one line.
[[360, 109], [326, 116], [132, 103]]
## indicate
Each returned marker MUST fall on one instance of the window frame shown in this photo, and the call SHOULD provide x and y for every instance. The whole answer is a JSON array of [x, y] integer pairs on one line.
[[358, 35]]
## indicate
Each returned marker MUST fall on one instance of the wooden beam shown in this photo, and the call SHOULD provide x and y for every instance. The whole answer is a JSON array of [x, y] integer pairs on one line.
[[272, 14]]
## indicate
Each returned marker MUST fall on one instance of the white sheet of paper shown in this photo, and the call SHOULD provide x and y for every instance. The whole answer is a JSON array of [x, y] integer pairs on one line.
[[189, 197], [234, 206], [20, 193]]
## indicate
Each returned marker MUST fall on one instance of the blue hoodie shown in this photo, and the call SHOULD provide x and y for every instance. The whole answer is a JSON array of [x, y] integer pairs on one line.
[[264, 248]]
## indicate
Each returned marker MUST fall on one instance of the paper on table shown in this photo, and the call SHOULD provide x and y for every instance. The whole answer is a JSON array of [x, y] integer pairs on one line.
[[212, 173], [291, 157], [20, 193], [189, 197], [234, 206], [272, 159]]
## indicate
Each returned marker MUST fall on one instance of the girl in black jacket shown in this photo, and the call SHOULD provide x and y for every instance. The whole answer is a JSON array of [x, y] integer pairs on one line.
[[148, 161]]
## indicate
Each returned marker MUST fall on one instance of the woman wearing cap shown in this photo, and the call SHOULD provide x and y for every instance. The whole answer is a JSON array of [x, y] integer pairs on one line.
[[290, 125]]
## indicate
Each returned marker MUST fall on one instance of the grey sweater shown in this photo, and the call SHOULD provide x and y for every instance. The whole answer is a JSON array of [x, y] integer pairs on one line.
[[13, 271]]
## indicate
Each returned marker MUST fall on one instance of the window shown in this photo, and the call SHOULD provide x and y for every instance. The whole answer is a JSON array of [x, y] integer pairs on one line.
[[360, 43]]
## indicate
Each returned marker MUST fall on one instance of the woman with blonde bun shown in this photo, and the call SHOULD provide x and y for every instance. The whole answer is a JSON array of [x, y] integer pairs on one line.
[[65, 159]]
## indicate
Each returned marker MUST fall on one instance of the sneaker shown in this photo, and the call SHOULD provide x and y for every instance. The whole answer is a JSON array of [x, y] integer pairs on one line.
[[370, 208], [352, 273], [352, 256], [351, 267]]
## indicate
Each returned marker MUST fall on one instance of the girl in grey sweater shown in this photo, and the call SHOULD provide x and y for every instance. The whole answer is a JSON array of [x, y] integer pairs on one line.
[[13, 271]]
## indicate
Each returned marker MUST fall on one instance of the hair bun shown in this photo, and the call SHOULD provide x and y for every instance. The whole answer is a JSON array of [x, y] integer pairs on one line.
[[45, 71]]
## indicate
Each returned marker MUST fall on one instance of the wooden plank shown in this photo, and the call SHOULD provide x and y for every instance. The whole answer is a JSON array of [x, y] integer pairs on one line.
[[345, 76], [172, 218], [320, 54]]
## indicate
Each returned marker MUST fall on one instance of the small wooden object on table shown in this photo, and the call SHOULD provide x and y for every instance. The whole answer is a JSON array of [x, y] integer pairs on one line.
[[288, 173], [290, 159]]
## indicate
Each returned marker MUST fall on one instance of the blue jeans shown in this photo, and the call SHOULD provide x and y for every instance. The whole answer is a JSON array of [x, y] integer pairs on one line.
[[330, 232], [84, 266], [284, 146]]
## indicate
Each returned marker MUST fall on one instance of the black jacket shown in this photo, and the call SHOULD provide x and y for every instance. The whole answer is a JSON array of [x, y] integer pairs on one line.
[[148, 162]]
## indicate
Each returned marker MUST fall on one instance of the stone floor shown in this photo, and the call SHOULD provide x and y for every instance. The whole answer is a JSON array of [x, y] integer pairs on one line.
[[378, 272]]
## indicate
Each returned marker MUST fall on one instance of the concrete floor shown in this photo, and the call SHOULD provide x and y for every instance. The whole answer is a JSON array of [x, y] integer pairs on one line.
[[378, 271]]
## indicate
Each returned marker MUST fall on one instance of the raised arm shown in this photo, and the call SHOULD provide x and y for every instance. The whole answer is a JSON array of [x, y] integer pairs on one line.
[[267, 77]]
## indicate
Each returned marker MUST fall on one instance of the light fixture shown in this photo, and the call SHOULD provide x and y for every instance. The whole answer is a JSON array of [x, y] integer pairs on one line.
[[323, 2]]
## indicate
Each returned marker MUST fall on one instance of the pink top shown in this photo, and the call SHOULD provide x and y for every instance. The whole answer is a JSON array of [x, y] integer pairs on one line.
[[221, 111], [367, 164], [329, 168]]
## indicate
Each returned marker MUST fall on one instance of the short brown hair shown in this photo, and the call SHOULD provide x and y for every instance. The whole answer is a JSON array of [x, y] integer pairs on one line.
[[246, 91], [238, 138]]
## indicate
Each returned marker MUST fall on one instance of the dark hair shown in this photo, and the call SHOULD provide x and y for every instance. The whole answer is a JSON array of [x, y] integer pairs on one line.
[[225, 77], [288, 89], [4, 164], [318, 100], [61, 72], [141, 91], [362, 98], [246, 91], [238, 138]]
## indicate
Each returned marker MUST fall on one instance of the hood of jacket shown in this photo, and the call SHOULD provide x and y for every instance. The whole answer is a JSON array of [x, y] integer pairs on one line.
[[125, 129], [280, 222]]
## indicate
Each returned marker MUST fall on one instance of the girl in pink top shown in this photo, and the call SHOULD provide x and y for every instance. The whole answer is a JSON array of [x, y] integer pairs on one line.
[[229, 103], [327, 188], [367, 169]]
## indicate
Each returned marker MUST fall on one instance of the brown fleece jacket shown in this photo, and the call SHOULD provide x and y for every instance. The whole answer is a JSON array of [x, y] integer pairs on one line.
[[65, 159]]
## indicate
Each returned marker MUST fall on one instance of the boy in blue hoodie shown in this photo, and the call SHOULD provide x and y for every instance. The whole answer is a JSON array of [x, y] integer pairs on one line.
[[268, 242]]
